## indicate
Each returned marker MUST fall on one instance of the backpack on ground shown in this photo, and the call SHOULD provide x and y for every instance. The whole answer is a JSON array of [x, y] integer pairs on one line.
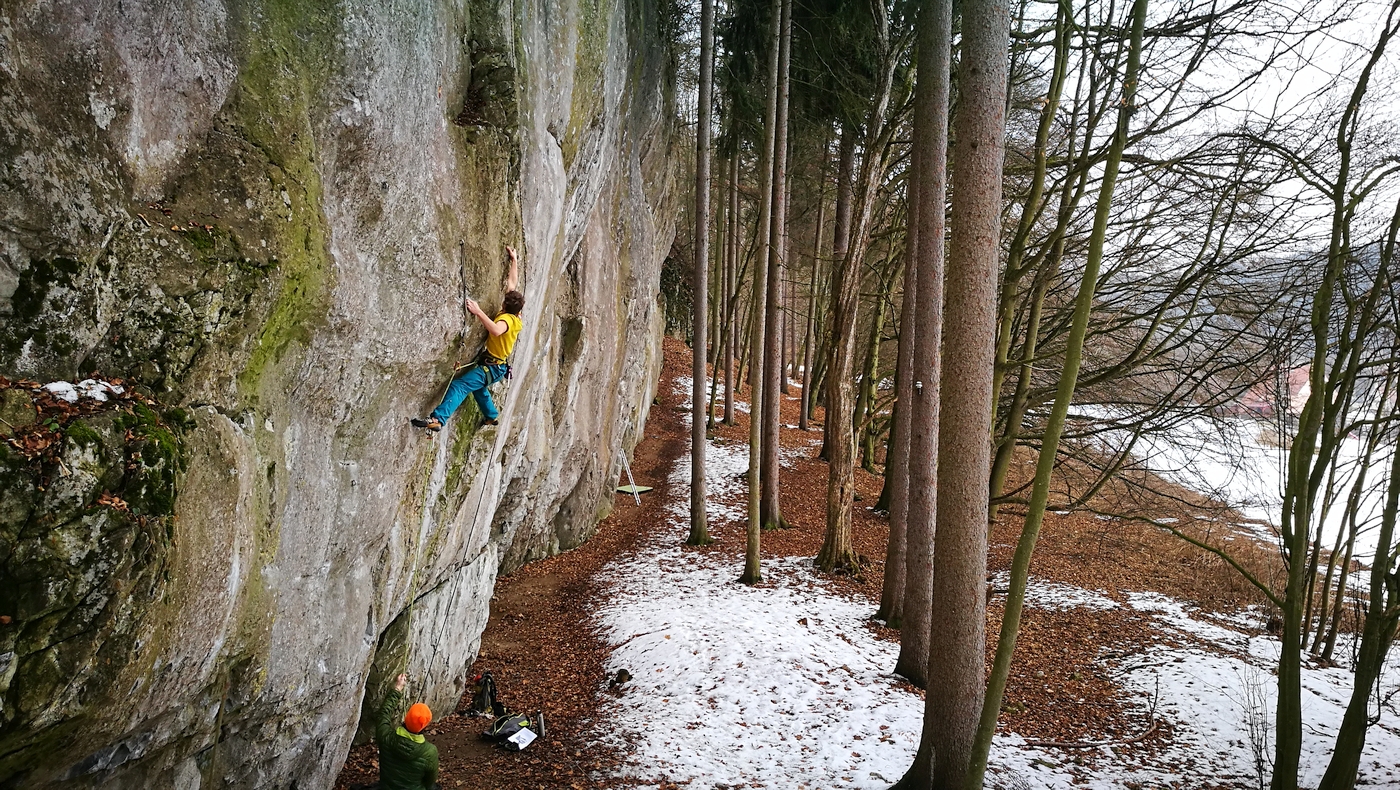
[[484, 701], [515, 731]]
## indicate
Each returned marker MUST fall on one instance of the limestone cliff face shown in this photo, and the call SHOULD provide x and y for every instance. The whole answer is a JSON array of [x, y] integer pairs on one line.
[[264, 215]]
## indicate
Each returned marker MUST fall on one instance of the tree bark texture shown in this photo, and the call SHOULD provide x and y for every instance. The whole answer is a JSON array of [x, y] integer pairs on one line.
[[753, 573], [845, 170], [770, 510], [926, 320], [837, 552], [699, 531], [731, 287], [896, 490], [803, 420], [1064, 396], [955, 670]]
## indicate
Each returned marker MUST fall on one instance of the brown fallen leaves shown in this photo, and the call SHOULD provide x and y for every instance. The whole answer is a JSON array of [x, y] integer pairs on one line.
[[542, 648], [40, 440]]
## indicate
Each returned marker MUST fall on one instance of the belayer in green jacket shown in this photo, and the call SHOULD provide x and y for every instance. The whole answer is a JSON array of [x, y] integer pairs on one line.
[[406, 760]]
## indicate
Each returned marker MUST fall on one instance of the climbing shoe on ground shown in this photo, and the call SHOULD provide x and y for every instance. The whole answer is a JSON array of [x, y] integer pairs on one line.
[[429, 423], [490, 422]]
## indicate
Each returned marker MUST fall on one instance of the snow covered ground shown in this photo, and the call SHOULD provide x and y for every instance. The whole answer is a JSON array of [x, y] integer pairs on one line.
[[783, 686], [1240, 461]]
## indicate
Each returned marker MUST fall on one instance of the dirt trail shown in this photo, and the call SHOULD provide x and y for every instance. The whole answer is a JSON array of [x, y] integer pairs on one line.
[[540, 644]]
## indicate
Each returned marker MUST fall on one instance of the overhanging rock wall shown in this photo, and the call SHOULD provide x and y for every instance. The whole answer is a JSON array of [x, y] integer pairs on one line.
[[265, 216]]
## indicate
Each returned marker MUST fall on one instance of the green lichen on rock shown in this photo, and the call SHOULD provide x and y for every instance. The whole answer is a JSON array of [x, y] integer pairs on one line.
[[287, 60], [590, 63]]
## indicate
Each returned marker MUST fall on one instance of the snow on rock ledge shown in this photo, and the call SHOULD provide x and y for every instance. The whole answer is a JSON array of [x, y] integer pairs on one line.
[[264, 215]]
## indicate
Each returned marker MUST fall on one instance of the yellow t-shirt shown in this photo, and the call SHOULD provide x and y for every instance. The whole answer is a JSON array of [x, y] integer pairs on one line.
[[499, 346]]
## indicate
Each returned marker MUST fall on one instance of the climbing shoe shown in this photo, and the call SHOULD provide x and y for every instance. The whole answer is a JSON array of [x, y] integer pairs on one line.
[[430, 423], [490, 422]]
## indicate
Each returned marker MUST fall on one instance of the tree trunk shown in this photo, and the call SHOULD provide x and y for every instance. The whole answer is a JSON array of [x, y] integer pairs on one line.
[[1064, 396], [699, 532], [1383, 598], [770, 509], [895, 494], [837, 552], [731, 287], [1299, 489], [955, 669], [1376, 631], [718, 327], [1006, 443], [841, 240], [789, 297], [923, 377], [803, 419], [753, 573], [869, 373]]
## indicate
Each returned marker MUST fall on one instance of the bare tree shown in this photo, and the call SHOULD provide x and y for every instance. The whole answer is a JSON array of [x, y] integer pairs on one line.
[[837, 552], [955, 671], [770, 510], [753, 573], [699, 531], [1020, 566]]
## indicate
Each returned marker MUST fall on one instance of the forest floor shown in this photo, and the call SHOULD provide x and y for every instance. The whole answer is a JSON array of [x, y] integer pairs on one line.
[[1142, 662]]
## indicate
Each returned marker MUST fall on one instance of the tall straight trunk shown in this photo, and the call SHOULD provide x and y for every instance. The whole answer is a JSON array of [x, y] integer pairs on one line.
[[821, 355], [924, 380], [869, 391], [1299, 489], [895, 495], [837, 446], [745, 327], [955, 670], [845, 167], [840, 241], [770, 510], [803, 419], [1006, 444], [789, 292], [718, 327], [790, 296], [1064, 396], [731, 263], [699, 531], [753, 573]]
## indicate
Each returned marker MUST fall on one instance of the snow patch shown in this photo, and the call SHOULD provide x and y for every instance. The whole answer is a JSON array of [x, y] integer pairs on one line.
[[87, 388], [1045, 594]]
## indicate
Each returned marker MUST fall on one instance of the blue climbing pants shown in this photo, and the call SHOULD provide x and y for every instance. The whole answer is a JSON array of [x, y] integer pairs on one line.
[[474, 381]]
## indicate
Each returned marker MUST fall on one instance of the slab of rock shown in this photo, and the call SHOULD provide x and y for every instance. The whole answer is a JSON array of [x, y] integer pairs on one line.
[[263, 216]]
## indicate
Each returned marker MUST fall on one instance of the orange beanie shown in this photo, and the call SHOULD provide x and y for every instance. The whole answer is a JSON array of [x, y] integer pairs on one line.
[[417, 718]]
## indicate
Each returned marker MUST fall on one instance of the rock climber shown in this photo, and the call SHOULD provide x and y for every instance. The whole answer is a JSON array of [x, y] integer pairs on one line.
[[491, 365], [406, 760]]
